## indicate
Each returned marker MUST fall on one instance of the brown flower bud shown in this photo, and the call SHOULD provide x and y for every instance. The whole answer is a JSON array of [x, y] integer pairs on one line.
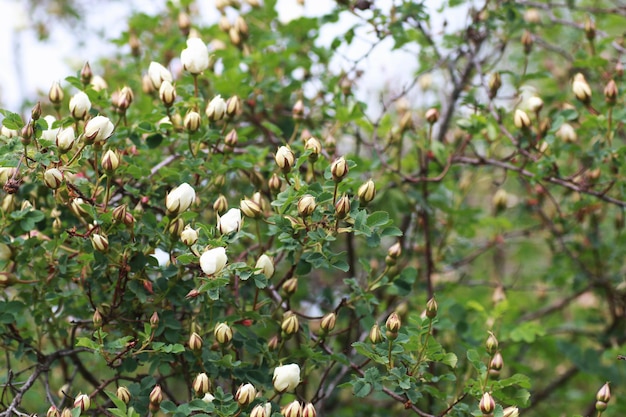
[[53, 178], [245, 394], [221, 204], [224, 24], [35, 113], [99, 242], [258, 411], [604, 394], [342, 207], [393, 323], [83, 402], [293, 409], [250, 208], [274, 183], [184, 23], [233, 106], [97, 319], [201, 384], [367, 192], [521, 119], [285, 159], [177, 227], [327, 324], [527, 41], [195, 341], [242, 27], [52, 412], [231, 138], [610, 92], [496, 362], [192, 121], [431, 308], [123, 394], [154, 320], [313, 145], [290, 324], [339, 169], [273, 343], [590, 29], [86, 73], [55, 95], [395, 250], [487, 405], [495, 82], [167, 93], [432, 115], [290, 286], [306, 205], [298, 110], [375, 335], [581, 88], [135, 44], [110, 161], [309, 411], [491, 344], [223, 333], [156, 396]]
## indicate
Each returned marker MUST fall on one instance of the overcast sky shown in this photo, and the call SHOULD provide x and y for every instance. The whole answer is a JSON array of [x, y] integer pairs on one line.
[[29, 66]]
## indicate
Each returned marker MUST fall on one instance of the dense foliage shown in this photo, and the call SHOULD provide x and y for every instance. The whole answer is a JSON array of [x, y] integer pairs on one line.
[[228, 230]]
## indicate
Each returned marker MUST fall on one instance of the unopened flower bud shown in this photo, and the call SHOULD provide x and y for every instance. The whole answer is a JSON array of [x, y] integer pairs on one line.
[[245, 394], [86, 73], [491, 344], [495, 82], [97, 319], [306, 205], [395, 250], [432, 115], [234, 36], [581, 88], [487, 405], [83, 402], [223, 333], [80, 105], [342, 207], [99, 242], [250, 208], [375, 335], [521, 119], [604, 394], [309, 410], [189, 236], [298, 110], [431, 308], [273, 343], [231, 139], [53, 178], [500, 200], [293, 409], [110, 161], [527, 41], [313, 144], [233, 106], [156, 396], [180, 199], [55, 95], [284, 158], [224, 24], [393, 323], [496, 362], [290, 286], [216, 109], [290, 324], [154, 320], [220, 205], [242, 27], [167, 93], [65, 139], [590, 29], [195, 341], [258, 411], [66, 413], [184, 23], [510, 412], [339, 169], [35, 112], [610, 92], [327, 324], [192, 121], [201, 384], [53, 412], [123, 394], [274, 183], [265, 264], [567, 133], [177, 227], [367, 192], [535, 104]]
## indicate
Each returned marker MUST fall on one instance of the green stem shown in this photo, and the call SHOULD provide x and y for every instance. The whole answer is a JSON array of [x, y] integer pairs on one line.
[[107, 193], [78, 152]]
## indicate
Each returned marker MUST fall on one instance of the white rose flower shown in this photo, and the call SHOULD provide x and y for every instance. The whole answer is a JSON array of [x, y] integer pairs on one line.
[[98, 129], [195, 57], [180, 198], [286, 377], [229, 222], [80, 105], [213, 260], [50, 133], [158, 73]]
